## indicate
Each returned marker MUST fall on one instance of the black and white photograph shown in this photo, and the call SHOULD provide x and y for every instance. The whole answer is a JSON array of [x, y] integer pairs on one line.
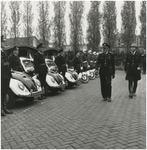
[[73, 74]]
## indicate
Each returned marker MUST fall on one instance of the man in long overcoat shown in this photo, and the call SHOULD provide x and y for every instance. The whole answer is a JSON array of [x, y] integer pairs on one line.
[[41, 69], [133, 69], [5, 78], [61, 63]]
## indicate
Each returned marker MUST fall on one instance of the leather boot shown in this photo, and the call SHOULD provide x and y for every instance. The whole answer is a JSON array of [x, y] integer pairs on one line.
[[7, 111]]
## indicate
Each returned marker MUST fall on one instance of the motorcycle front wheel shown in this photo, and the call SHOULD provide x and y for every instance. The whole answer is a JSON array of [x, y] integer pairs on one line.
[[92, 76], [85, 78]]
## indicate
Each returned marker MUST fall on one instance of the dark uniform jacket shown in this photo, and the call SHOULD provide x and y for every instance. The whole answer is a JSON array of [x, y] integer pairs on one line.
[[77, 64], [39, 64], [90, 59], [5, 68], [106, 64], [84, 60], [15, 63], [61, 63], [131, 65]]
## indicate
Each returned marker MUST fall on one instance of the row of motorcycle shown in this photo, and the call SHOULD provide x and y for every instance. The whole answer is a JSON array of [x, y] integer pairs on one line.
[[25, 84]]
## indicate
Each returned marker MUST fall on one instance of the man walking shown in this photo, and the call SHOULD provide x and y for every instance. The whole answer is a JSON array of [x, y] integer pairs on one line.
[[133, 69], [105, 62], [41, 69]]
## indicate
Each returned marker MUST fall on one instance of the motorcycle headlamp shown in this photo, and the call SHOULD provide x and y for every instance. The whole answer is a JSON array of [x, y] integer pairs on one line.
[[21, 86]]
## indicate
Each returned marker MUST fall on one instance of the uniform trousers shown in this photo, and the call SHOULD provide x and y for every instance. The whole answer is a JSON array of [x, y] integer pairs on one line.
[[42, 79], [105, 85], [132, 86], [4, 90]]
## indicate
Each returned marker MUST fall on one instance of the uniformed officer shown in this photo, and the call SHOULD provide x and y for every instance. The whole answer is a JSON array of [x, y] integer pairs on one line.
[[61, 63], [41, 69], [77, 63], [133, 69], [90, 59], [15, 60], [84, 62], [105, 62], [5, 79]]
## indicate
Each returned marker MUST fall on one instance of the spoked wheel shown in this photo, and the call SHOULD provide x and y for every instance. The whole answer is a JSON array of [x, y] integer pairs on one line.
[[85, 78], [92, 76], [10, 99]]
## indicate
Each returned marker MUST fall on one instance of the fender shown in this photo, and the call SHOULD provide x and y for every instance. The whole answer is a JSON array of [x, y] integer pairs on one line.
[[15, 88], [25, 79]]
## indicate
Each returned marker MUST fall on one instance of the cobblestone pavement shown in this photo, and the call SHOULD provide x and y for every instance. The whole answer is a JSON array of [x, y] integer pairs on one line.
[[79, 119]]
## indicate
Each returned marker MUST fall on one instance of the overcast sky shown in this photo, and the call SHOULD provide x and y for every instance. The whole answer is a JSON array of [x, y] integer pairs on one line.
[[85, 25]]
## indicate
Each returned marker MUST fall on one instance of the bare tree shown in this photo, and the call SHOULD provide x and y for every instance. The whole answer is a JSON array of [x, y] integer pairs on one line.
[[128, 23], [15, 18], [44, 22], [3, 18], [93, 32], [27, 19], [143, 23], [59, 23], [109, 22], [76, 23]]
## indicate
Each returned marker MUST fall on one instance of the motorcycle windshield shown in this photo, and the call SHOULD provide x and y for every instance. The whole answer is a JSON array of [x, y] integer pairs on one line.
[[28, 65]]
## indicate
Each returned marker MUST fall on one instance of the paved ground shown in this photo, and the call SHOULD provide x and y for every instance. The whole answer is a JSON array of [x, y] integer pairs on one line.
[[79, 119]]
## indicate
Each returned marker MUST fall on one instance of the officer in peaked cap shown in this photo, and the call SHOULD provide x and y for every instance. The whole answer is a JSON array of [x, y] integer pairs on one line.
[[105, 63], [5, 80], [15, 60], [133, 69], [61, 62], [41, 69]]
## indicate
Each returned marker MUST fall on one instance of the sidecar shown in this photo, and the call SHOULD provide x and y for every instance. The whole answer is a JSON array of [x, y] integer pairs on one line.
[[53, 81], [56, 81], [22, 86], [72, 77]]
